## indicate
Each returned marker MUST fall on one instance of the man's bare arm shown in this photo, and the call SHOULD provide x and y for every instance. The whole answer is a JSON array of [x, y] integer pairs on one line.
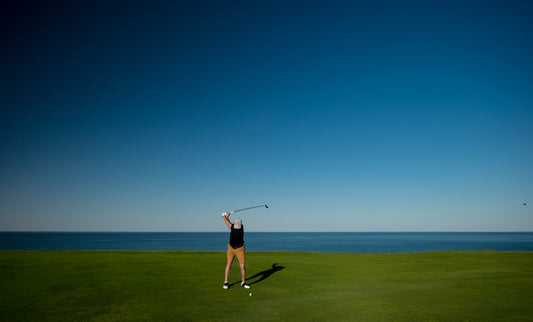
[[226, 220]]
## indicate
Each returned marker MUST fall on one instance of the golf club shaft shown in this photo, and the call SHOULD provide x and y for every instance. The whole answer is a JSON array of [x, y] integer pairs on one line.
[[246, 208]]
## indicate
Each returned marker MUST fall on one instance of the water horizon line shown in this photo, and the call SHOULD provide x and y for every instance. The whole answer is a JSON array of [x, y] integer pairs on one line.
[[277, 232]]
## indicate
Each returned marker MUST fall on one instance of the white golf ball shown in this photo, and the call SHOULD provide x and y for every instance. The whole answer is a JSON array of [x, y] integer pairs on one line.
[[250, 294]]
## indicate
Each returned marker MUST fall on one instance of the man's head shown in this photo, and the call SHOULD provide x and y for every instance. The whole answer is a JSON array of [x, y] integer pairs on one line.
[[238, 223]]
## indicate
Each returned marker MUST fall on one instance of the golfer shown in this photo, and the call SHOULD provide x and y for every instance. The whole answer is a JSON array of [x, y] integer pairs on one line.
[[235, 248]]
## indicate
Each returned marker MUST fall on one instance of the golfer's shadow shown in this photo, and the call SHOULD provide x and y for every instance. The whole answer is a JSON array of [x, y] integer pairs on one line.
[[265, 274]]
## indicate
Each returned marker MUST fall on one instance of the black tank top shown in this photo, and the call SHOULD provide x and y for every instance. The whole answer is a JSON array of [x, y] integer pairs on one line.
[[236, 238]]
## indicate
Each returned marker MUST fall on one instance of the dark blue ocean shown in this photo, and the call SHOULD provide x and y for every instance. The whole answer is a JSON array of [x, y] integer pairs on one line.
[[357, 242]]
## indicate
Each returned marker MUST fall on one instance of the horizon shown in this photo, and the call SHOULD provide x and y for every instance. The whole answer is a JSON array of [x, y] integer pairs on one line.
[[288, 232]]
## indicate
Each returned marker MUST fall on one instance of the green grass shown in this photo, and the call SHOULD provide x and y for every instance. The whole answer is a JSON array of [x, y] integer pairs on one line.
[[127, 285]]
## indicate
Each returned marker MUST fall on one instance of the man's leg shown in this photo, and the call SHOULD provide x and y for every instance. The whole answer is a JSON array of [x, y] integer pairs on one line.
[[231, 256], [243, 273], [228, 269], [241, 258]]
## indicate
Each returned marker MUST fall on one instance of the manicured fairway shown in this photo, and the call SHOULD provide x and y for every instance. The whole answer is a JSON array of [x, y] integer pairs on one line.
[[127, 285]]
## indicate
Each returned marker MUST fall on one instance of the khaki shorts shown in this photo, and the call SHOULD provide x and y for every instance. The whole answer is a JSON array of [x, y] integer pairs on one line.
[[239, 252]]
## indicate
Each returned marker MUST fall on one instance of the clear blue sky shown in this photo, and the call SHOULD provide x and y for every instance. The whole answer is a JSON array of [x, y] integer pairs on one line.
[[341, 115]]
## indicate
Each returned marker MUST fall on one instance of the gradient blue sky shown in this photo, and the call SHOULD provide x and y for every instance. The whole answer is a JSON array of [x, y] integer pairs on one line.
[[341, 115]]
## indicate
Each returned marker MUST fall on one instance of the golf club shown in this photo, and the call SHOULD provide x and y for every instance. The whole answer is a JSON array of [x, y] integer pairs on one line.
[[266, 206]]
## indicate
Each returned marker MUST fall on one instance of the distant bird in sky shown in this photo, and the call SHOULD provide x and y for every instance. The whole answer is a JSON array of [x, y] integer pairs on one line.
[[525, 204]]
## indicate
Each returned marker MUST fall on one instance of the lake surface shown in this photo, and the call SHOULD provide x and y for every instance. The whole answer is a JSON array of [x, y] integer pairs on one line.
[[357, 242]]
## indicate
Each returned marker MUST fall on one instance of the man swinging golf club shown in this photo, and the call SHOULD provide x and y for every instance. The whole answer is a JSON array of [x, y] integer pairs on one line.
[[235, 248]]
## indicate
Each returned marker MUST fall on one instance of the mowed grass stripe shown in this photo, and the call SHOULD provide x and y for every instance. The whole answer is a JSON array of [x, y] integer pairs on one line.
[[187, 285]]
